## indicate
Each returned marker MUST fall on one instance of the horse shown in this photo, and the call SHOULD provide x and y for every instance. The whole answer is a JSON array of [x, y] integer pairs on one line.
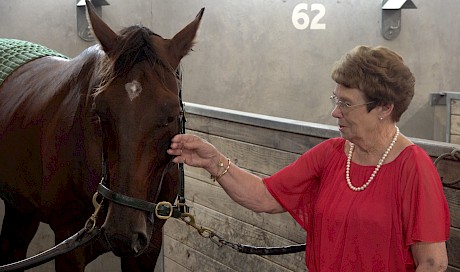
[[65, 123]]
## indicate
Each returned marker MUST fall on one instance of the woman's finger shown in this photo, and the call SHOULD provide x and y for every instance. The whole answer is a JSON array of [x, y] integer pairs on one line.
[[174, 152]]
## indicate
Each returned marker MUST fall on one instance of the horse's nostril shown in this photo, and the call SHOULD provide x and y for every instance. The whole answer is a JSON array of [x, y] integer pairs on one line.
[[139, 243], [151, 217], [132, 245]]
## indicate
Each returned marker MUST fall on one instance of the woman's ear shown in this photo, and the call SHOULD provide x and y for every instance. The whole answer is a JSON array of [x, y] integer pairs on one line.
[[385, 111]]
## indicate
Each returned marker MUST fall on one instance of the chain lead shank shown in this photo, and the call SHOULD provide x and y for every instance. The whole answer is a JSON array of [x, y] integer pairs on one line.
[[246, 249]]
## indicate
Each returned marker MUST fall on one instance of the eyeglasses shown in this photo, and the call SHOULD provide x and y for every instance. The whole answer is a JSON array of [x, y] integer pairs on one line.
[[345, 106]]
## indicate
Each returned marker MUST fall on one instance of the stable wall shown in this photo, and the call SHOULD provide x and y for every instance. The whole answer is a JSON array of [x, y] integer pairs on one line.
[[249, 55]]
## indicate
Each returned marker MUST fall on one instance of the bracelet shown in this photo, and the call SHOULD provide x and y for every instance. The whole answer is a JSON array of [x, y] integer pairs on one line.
[[221, 164]]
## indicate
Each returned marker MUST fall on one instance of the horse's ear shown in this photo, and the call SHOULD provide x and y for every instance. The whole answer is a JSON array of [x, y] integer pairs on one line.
[[105, 35], [182, 42]]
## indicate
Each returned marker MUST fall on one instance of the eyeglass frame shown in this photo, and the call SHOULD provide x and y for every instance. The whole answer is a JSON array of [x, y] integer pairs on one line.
[[345, 106]]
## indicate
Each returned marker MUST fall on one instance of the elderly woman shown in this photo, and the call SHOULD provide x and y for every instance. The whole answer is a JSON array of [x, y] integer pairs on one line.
[[370, 200]]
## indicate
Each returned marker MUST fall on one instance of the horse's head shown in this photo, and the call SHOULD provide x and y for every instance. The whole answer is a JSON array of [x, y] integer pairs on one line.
[[138, 107]]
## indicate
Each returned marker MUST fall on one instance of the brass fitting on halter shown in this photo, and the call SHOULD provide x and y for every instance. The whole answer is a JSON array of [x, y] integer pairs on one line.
[[161, 206], [190, 220], [91, 222]]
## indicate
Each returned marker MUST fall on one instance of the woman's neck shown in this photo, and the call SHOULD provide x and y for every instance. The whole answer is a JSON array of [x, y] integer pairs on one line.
[[369, 150]]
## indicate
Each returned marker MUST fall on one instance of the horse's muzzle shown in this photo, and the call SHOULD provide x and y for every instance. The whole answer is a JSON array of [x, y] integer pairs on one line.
[[127, 246]]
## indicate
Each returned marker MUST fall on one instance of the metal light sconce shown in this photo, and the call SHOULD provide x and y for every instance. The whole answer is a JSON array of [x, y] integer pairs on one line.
[[83, 28], [391, 17]]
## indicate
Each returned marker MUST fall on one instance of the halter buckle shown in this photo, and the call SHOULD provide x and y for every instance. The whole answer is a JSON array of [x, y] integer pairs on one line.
[[161, 205]]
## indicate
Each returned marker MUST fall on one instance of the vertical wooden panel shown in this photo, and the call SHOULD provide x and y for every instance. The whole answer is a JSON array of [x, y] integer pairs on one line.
[[455, 121], [455, 124], [455, 139], [455, 106]]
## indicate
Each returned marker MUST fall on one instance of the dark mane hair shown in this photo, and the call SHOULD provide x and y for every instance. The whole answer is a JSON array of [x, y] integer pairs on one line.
[[133, 46]]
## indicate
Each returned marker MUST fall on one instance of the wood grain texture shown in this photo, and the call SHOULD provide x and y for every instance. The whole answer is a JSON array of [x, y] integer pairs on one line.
[[237, 232], [453, 247], [214, 197], [455, 106], [455, 124]]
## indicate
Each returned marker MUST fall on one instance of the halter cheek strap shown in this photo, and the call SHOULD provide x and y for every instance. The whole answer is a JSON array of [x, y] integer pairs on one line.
[[182, 120]]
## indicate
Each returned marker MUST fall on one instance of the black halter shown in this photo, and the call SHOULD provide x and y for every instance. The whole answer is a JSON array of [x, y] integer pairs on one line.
[[162, 210]]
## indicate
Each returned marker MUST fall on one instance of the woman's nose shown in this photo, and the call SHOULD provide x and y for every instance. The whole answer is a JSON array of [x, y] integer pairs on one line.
[[336, 112]]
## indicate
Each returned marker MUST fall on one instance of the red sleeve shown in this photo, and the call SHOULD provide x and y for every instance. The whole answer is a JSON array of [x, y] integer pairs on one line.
[[425, 214], [295, 187]]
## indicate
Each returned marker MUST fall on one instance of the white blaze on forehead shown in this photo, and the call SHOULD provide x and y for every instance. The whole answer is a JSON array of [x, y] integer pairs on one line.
[[133, 89]]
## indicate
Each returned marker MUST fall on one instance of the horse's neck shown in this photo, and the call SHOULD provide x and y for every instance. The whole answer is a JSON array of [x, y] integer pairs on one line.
[[81, 78], [85, 68]]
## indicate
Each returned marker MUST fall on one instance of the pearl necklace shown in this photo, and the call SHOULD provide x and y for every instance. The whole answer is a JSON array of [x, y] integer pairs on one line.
[[350, 153]]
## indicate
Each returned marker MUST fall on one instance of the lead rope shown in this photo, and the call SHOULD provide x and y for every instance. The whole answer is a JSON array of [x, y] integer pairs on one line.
[[241, 248], [453, 155], [83, 236]]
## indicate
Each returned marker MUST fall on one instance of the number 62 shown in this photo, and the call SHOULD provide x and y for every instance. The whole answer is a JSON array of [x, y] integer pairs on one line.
[[301, 20]]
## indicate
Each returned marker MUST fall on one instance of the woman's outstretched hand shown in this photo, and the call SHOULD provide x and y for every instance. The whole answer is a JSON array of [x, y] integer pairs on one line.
[[243, 187], [194, 151]]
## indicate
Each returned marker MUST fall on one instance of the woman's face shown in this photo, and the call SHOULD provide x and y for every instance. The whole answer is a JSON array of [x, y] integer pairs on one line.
[[355, 123]]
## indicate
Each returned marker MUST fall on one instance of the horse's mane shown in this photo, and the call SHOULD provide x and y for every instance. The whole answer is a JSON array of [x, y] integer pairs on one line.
[[133, 46]]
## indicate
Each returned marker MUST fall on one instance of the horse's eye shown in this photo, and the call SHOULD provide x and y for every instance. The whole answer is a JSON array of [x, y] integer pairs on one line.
[[167, 123]]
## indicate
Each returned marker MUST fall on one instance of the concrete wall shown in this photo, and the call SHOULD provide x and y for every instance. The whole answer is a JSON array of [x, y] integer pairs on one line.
[[250, 57]]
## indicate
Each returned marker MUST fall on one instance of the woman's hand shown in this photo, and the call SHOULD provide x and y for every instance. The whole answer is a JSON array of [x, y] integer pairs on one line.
[[195, 151], [243, 187]]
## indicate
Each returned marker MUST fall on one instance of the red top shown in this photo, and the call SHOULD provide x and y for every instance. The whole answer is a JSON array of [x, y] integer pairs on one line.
[[371, 230]]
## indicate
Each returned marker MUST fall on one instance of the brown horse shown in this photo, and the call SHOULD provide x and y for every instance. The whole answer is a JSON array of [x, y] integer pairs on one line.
[[58, 116]]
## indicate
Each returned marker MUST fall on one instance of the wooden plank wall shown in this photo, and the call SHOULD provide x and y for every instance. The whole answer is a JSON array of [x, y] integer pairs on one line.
[[262, 145], [455, 121]]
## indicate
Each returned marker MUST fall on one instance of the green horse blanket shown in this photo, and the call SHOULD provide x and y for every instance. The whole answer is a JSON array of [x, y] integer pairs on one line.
[[14, 53]]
